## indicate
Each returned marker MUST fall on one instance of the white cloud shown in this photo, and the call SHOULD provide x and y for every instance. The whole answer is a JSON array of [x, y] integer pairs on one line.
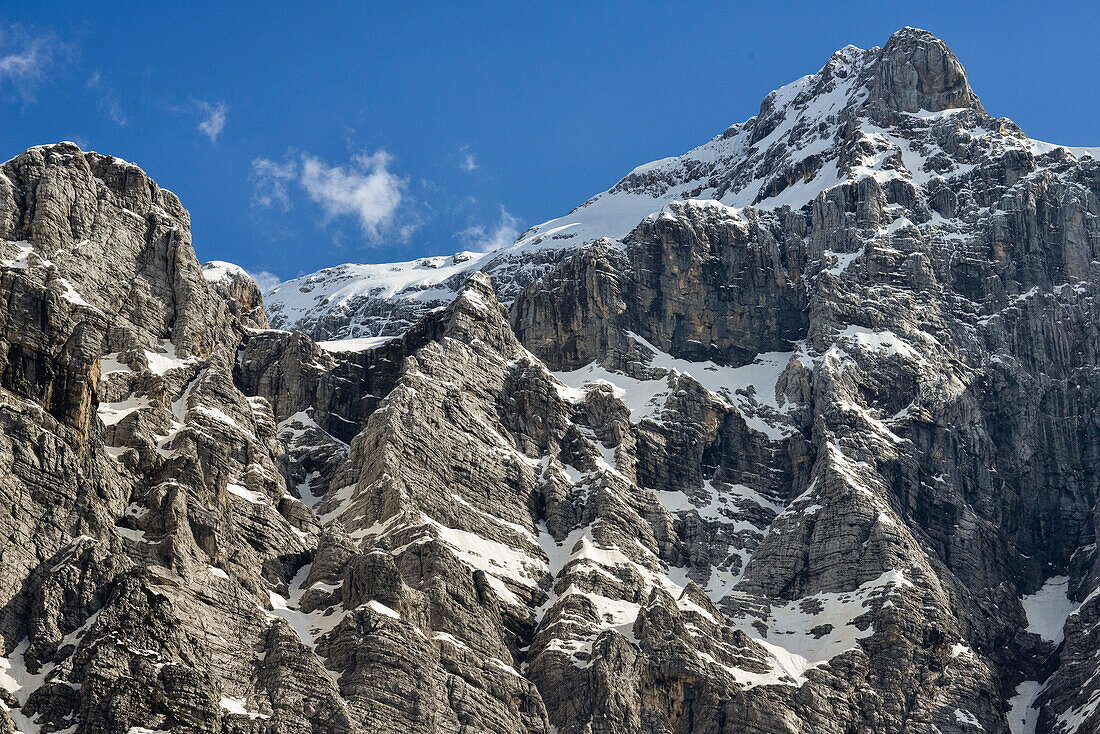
[[107, 104], [364, 189], [482, 238], [269, 181], [468, 162], [27, 58], [265, 280], [24, 56], [213, 121], [22, 63]]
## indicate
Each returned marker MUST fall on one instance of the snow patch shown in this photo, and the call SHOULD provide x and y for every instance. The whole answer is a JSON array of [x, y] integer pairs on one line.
[[1048, 608], [361, 344], [246, 494], [219, 271], [965, 717], [237, 706], [1022, 717]]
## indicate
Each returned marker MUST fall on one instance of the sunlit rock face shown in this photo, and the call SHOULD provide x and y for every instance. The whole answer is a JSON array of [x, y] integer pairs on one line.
[[795, 432]]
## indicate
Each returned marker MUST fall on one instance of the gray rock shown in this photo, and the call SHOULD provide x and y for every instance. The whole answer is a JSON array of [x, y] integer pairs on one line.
[[760, 463]]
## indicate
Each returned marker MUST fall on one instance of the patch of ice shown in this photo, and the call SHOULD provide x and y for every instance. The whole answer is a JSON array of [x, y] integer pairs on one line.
[[1048, 608], [958, 650], [222, 417], [219, 271], [161, 362], [813, 630], [1022, 717], [361, 344], [721, 505], [1038, 147], [109, 363], [21, 683], [643, 398], [237, 706], [131, 534], [382, 609], [500, 562], [112, 413], [1073, 718], [450, 640], [337, 287], [246, 494], [965, 717], [750, 388], [884, 341], [843, 260]]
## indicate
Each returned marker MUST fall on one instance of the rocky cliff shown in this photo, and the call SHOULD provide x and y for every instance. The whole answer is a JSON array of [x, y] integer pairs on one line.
[[796, 432]]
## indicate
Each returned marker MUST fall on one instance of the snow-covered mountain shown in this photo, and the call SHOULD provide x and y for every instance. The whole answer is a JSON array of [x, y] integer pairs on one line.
[[852, 119], [794, 433]]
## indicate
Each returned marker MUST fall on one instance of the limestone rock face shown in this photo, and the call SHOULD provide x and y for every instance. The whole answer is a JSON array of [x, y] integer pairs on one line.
[[917, 71], [805, 441], [699, 282], [238, 288], [134, 468]]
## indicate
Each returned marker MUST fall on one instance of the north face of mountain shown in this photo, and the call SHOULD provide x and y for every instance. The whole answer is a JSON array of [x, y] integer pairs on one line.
[[793, 433]]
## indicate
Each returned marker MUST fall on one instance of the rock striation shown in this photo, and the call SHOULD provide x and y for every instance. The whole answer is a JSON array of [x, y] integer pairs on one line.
[[793, 433]]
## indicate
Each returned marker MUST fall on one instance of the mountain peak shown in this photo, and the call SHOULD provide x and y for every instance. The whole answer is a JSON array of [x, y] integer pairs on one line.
[[916, 71], [904, 111]]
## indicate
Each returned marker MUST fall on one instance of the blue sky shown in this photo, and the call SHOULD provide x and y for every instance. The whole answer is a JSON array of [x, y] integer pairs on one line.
[[305, 135]]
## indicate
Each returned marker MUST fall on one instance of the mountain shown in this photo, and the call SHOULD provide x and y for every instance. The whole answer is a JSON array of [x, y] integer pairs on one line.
[[904, 112], [796, 432]]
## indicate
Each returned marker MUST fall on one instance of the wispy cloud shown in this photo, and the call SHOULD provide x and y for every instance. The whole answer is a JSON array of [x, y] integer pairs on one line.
[[265, 280], [107, 101], [468, 163], [364, 189], [28, 58], [23, 63], [484, 238], [213, 121], [269, 182], [211, 116]]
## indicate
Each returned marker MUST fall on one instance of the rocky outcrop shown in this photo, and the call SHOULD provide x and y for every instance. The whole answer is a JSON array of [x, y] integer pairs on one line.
[[134, 467], [917, 71], [239, 290], [698, 282]]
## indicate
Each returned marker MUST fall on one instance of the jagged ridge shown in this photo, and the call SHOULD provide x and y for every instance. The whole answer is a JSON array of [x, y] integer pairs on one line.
[[904, 111]]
